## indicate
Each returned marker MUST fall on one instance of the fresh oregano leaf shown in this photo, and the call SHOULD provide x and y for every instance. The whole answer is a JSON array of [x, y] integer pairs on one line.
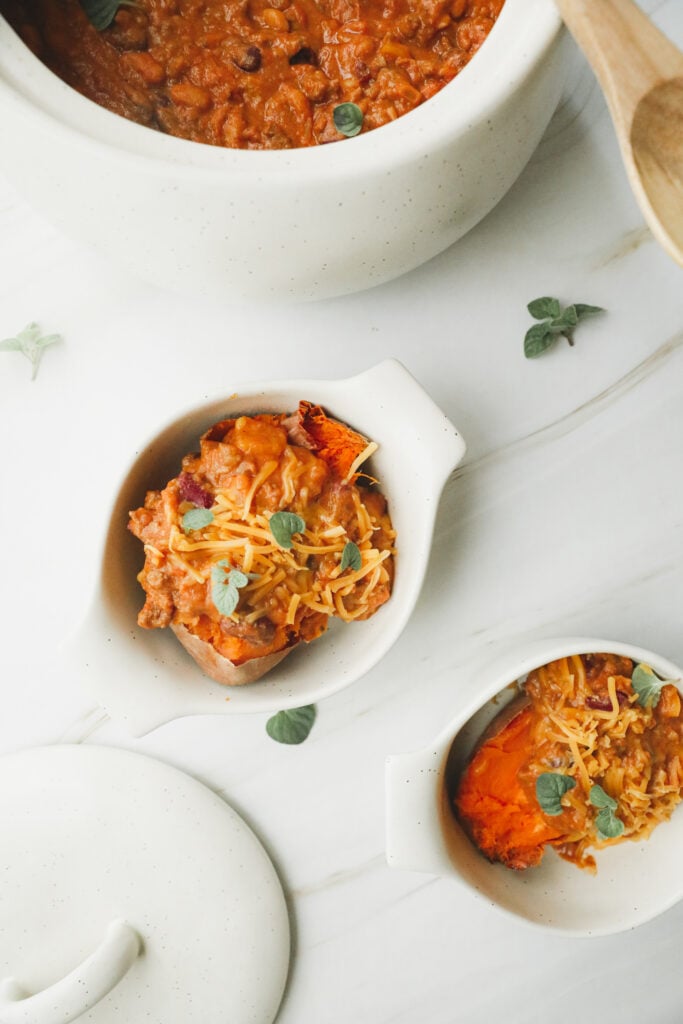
[[196, 519], [607, 824], [555, 321], [647, 685], [567, 320], [544, 308], [351, 557], [348, 119], [283, 526], [583, 311], [599, 798], [550, 788], [225, 586], [538, 339], [291, 726], [101, 13]]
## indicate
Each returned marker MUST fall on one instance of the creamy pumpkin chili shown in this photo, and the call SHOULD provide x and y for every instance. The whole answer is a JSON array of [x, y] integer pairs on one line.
[[267, 533], [257, 74]]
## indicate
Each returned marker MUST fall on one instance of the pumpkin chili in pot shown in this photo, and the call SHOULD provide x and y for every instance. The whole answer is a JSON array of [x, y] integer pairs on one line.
[[257, 74]]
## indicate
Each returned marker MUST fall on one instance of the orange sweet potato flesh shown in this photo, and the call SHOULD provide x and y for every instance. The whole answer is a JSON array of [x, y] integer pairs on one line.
[[334, 442], [500, 814]]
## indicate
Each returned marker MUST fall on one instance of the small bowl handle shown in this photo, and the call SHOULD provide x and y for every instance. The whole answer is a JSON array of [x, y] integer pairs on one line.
[[414, 834], [441, 440], [81, 989]]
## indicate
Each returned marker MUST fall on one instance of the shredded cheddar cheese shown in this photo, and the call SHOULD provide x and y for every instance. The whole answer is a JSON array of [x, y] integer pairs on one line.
[[359, 460], [251, 545], [248, 470]]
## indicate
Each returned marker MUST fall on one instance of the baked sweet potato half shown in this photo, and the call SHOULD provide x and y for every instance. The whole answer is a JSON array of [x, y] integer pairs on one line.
[[265, 534], [589, 754]]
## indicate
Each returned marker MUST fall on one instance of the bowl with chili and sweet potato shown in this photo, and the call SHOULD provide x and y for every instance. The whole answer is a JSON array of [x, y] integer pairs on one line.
[[555, 797], [293, 148], [265, 550]]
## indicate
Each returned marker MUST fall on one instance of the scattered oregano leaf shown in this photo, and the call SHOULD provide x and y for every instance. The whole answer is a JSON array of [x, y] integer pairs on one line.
[[348, 119], [291, 726], [351, 557], [609, 826], [196, 519], [647, 685], [550, 788], [101, 13], [225, 586], [283, 526], [31, 343], [555, 322]]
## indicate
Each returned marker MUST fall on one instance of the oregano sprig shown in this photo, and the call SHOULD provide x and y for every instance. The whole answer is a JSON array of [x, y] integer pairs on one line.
[[31, 343], [555, 322]]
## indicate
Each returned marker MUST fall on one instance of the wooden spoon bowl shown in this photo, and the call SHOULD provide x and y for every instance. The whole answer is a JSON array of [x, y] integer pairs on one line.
[[641, 74], [657, 144]]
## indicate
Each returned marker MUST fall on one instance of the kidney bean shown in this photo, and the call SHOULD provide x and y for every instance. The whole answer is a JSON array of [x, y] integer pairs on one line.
[[604, 703], [249, 59]]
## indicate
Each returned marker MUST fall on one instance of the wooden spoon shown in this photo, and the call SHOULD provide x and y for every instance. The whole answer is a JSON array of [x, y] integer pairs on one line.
[[641, 74]]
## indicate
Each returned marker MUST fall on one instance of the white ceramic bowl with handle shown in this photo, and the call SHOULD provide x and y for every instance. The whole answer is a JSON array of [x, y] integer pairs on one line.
[[145, 677], [634, 881], [303, 223]]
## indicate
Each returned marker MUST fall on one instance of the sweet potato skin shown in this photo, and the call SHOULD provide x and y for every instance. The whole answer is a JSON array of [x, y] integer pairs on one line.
[[336, 443], [221, 669]]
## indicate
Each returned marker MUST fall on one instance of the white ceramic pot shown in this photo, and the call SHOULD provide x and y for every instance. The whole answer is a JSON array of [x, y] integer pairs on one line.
[[304, 223], [634, 882]]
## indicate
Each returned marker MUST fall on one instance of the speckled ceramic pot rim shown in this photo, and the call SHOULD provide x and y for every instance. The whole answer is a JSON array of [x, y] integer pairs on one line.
[[520, 40]]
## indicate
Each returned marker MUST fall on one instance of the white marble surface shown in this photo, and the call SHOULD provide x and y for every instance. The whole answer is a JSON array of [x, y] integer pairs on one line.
[[565, 519]]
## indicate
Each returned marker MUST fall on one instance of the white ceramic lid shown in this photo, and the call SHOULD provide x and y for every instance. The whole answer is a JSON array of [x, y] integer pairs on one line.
[[132, 893]]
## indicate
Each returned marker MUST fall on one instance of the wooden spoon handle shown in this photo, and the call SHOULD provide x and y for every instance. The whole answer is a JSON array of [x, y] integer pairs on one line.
[[627, 53]]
